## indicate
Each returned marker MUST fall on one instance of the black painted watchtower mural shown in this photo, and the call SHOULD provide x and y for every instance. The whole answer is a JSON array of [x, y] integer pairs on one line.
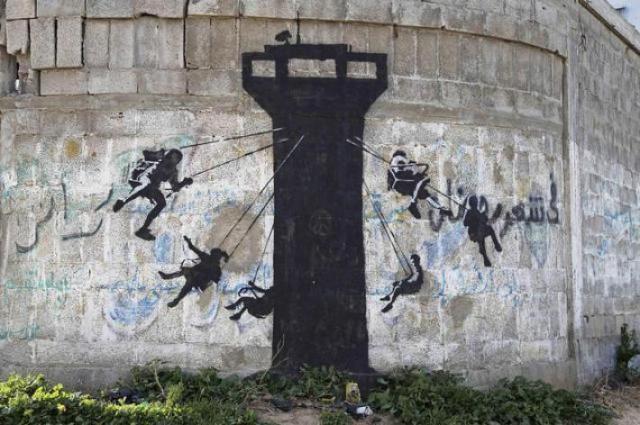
[[319, 263]]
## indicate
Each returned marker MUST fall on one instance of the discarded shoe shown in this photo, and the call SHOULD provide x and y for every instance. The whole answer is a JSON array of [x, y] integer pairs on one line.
[[358, 411]]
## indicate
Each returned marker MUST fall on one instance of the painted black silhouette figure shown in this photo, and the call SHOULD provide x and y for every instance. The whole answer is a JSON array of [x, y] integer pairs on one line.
[[410, 179], [257, 306], [201, 275], [479, 228], [407, 286], [146, 179]]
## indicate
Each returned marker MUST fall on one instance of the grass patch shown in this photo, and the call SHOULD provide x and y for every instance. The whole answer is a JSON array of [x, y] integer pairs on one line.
[[170, 396]]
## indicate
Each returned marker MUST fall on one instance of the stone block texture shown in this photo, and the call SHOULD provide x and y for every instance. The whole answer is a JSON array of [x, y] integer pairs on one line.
[[18, 36], [162, 9], [56, 8], [20, 9], [110, 9], [531, 106], [43, 43], [69, 42], [63, 82]]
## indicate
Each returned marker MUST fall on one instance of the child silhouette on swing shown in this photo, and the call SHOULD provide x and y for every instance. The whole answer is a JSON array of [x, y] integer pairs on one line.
[[257, 306], [479, 228], [407, 286], [201, 275], [146, 180], [410, 179]]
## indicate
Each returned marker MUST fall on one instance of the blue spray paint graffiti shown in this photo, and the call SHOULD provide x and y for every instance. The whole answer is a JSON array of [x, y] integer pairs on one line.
[[162, 249], [441, 248], [483, 282], [132, 306]]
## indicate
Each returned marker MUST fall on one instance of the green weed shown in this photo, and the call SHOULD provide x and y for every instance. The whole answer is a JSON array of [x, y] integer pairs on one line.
[[418, 397]]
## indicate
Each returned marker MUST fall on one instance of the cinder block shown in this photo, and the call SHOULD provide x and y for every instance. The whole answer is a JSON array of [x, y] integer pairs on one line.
[[469, 20], [489, 61], [20, 9], [43, 47], [171, 44], [17, 37], [409, 12], [469, 54], [110, 8], [55, 8], [335, 10], [198, 42], [427, 58], [206, 82], [69, 42], [501, 26], [146, 44], [404, 51], [536, 70], [103, 81], [557, 72], [449, 54], [521, 68], [368, 11], [121, 42], [96, 43], [162, 82], [161, 9], [63, 81], [3, 31], [284, 9], [7, 72], [224, 53], [504, 62], [212, 8]]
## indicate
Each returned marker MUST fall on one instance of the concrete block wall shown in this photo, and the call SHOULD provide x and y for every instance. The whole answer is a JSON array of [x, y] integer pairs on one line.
[[607, 129], [516, 101]]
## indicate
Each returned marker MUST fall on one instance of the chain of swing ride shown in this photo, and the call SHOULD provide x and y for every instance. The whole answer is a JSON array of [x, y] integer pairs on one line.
[[402, 258], [264, 187]]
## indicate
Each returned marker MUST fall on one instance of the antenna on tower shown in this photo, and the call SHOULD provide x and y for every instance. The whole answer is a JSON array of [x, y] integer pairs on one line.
[[298, 26]]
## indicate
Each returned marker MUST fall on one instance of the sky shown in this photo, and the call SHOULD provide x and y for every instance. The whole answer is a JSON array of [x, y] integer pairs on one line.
[[631, 12]]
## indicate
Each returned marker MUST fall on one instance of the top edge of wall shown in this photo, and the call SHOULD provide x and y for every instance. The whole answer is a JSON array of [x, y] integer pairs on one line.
[[614, 21]]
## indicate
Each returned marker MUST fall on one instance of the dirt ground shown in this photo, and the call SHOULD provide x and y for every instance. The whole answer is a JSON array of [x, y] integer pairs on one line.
[[624, 401], [308, 413]]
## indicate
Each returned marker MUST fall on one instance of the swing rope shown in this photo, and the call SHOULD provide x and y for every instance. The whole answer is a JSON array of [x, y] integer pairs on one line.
[[255, 219], [226, 139], [402, 258], [240, 157], [367, 149], [264, 251], [244, 213]]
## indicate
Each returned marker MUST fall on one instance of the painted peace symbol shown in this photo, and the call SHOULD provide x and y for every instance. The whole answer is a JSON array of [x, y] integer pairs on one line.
[[321, 223]]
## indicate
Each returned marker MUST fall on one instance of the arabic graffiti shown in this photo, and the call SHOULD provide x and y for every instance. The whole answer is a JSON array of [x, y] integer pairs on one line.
[[26, 333], [537, 212], [517, 214], [23, 249]]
